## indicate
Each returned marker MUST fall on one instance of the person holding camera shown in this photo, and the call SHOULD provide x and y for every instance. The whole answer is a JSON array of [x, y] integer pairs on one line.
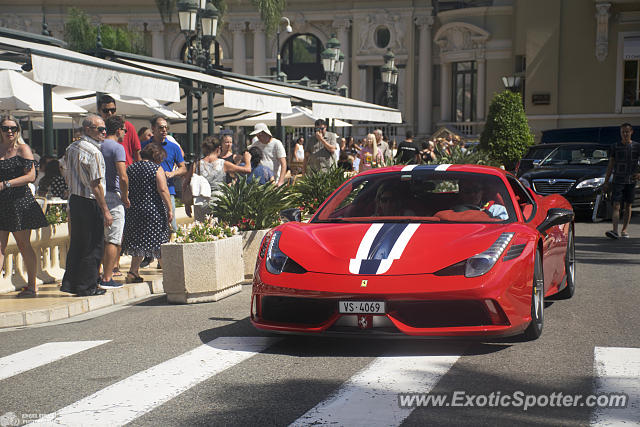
[[321, 149]]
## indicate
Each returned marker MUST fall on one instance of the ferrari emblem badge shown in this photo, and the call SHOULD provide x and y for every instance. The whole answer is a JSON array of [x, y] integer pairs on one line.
[[365, 321], [363, 284]]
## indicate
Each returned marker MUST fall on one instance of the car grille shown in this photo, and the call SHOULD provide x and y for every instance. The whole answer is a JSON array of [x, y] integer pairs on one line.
[[552, 186], [440, 314], [306, 311]]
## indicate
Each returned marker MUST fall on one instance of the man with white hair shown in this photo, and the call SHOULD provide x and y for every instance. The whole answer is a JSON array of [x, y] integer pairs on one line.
[[88, 210], [383, 146], [274, 156]]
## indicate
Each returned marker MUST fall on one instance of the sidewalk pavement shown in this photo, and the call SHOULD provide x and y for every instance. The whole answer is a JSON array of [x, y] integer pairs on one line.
[[50, 304]]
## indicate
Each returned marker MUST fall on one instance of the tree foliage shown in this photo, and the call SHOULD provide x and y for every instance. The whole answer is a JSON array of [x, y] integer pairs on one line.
[[270, 12], [81, 35], [506, 134]]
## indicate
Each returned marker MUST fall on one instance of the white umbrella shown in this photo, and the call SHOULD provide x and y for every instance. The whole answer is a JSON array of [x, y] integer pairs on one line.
[[300, 117], [21, 94], [126, 105]]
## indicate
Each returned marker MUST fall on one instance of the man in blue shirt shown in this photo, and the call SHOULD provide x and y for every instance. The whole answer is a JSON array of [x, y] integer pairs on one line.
[[174, 158]]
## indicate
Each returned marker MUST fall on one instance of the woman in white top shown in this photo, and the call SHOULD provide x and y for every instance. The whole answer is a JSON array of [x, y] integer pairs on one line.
[[213, 169], [298, 157]]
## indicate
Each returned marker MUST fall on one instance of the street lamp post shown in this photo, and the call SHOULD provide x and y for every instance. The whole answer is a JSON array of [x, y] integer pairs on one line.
[[389, 75], [279, 74], [332, 62], [511, 83], [198, 19]]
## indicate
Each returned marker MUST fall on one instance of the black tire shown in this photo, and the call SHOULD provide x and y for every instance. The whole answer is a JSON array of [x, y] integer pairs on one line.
[[534, 330], [570, 268]]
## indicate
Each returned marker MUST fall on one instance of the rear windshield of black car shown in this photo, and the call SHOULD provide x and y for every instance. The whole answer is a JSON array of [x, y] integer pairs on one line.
[[595, 155]]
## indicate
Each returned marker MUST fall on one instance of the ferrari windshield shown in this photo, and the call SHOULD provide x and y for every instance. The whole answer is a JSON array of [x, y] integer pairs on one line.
[[420, 195]]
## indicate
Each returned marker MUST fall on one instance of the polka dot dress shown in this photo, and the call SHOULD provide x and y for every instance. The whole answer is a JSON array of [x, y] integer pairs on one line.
[[18, 208], [57, 187], [145, 227]]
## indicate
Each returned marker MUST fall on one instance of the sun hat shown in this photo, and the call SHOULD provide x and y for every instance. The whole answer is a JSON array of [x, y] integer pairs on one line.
[[260, 127]]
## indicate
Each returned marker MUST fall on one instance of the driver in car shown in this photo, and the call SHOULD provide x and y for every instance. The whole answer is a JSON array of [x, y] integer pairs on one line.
[[473, 197]]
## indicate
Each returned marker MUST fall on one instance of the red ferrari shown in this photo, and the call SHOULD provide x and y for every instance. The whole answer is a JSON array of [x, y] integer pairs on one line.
[[432, 250]]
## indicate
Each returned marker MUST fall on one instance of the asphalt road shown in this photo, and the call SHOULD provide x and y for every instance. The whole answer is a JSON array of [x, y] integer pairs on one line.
[[149, 365]]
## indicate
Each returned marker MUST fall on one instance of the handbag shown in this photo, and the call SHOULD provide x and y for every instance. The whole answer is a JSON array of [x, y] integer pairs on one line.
[[200, 188]]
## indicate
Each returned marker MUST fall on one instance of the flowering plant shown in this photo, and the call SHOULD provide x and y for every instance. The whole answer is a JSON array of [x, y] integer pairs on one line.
[[209, 230], [56, 214], [246, 224]]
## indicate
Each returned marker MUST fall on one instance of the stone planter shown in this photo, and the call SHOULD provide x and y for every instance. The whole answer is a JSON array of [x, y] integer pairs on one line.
[[250, 246], [202, 272]]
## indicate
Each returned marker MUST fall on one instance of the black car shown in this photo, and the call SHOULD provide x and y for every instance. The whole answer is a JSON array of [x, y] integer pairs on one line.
[[575, 170]]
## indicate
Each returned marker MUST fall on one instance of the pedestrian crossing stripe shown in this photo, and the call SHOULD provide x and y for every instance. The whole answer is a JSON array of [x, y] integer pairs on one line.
[[41, 355], [138, 394], [369, 397], [617, 370]]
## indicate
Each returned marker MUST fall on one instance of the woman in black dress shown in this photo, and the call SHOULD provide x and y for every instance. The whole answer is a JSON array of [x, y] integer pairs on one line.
[[19, 211], [147, 221], [53, 183]]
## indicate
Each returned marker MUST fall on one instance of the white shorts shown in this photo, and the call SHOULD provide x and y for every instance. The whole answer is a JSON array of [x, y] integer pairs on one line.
[[113, 234]]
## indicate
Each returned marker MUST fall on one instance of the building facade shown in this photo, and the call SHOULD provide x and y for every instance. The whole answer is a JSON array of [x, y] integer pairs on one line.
[[578, 61]]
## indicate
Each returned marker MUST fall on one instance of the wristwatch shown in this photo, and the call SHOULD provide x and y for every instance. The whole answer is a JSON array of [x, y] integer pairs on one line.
[[7, 184]]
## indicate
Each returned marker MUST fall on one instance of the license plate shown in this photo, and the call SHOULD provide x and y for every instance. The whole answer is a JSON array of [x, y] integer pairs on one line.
[[361, 307]]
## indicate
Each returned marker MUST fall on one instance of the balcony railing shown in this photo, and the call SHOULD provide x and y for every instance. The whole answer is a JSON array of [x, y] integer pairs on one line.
[[466, 129]]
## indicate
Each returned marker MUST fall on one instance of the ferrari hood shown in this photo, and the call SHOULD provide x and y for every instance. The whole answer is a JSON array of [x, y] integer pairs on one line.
[[384, 248]]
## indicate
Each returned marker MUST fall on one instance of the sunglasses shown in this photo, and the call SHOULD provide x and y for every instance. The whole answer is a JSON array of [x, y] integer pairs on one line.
[[99, 128], [109, 110], [13, 129], [163, 127]]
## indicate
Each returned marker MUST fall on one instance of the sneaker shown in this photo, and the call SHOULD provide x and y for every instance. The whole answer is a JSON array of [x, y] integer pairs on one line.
[[611, 234], [110, 284], [146, 261]]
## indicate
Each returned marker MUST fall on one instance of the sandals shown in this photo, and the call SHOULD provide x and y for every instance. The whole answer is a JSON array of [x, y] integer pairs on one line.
[[27, 293], [624, 235], [117, 272], [133, 278]]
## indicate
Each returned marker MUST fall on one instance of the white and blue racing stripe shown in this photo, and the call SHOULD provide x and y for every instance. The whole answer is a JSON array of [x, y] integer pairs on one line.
[[380, 246]]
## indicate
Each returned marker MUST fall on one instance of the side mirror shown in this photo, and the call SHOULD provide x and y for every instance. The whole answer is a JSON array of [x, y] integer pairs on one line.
[[556, 216], [291, 214], [536, 163]]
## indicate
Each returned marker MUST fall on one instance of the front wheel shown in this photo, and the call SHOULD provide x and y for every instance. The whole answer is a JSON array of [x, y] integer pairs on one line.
[[534, 330], [570, 268]]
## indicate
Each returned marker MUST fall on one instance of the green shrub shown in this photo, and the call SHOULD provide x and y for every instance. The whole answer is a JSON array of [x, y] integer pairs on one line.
[[81, 35], [249, 205], [56, 214], [506, 134], [315, 186]]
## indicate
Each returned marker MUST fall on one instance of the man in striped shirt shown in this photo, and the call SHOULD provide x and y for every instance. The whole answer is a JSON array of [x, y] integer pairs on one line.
[[88, 211]]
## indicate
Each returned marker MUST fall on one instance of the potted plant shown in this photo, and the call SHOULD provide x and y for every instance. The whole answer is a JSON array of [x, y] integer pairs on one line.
[[204, 263], [315, 186], [253, 209]]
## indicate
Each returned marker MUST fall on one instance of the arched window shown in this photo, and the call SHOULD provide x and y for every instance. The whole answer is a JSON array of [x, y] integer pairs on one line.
[[301, 57]]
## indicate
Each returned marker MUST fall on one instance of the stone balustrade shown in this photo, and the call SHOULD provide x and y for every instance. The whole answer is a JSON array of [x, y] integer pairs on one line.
[[50, 245]]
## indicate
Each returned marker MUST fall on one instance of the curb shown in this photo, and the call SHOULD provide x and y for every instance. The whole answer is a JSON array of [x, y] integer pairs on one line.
[[81, 305]]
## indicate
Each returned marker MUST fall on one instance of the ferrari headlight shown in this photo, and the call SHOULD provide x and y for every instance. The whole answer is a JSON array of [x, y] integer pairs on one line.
[[481, 263], [275, 257], [525, 182], [591, 183]]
